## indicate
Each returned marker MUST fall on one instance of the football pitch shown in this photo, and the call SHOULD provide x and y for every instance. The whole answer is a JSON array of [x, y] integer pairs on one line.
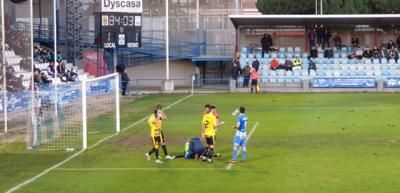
[[300, 143]]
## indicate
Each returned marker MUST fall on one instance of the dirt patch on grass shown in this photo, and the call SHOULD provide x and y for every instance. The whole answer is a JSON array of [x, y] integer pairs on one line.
[[144, 140]]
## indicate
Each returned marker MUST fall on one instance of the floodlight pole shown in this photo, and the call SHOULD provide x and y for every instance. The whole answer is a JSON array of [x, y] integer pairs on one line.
[[55, 54], [167, 38], [316, 7], [321, 6], [3, 42]]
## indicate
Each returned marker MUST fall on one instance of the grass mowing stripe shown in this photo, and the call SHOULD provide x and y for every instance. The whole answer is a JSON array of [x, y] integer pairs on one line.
[[17, 187], [128, 169], [230, 165]]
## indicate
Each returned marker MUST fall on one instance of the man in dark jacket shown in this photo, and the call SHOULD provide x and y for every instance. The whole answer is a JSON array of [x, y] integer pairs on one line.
[[124, 82], [264, 45], [256, 64], [235, 70]]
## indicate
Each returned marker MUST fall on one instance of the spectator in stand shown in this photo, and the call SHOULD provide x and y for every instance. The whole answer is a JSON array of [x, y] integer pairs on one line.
[[45, 79], [311, 38], [359, 53], [250, 49], [311, 65], [384, 44], [264, 45], [125, 81], [297, 63], [391, 45], [328, 53], [320, 35], [288, 65], [256, 64], [51, 71], [384, 53], [59, 56], [246, 75], [338, 41], [313, 52], [368, 53], [37, 78], [254, 80], [355, 42], [71, 75], [398, 43], [274, 64], [393, 54], [326, 37], [61, 72], [235, 70], [375, 52], [269, 42]]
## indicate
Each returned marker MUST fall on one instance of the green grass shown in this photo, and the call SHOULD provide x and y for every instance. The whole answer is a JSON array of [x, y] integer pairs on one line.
[[309, 143]]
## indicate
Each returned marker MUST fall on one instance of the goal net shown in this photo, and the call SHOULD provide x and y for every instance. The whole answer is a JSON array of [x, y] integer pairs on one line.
[[73, 116]]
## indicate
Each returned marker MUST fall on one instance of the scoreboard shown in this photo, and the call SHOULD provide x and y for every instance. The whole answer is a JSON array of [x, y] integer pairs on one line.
[[121, 23], [121, 30]]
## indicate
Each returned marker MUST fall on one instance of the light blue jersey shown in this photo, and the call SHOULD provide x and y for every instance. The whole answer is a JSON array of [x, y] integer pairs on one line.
[[241, 133]]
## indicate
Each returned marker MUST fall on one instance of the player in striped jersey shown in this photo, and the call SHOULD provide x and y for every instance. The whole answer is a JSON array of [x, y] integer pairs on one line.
[[239, 141]]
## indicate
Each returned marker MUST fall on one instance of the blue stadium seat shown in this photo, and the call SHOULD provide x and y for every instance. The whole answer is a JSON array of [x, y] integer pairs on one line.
[[274, 55], [375, 61], [289, 73], [345, 73], [266, 55], [335, 61], [384, 61], [313, 73], [336, 55], [353, 61], [244, 50], [297, 55], [297, 73], [266, 60], [392, 61], [305, 55], [385, 73], [297, 49], [282, 55], [320, 55], [289, 55], [251, 56], [344, 49], [367, 61], [282, 49], [281, 72], [243, 55], [290, 49]]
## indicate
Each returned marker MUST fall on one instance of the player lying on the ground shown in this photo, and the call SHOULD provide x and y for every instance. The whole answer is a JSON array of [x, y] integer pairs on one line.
[[239, 141], [193, 149]]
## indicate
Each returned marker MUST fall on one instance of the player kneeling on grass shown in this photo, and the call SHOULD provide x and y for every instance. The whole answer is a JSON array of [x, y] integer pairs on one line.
[[155, 122], [239, 141], [208, 126]]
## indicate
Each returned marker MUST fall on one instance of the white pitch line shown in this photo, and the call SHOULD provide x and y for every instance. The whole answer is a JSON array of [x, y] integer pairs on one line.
[[129, 169], [17, 187], [230, 165]]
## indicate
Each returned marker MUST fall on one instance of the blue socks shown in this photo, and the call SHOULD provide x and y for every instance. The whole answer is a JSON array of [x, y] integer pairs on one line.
[[235, 154], [244, 155]]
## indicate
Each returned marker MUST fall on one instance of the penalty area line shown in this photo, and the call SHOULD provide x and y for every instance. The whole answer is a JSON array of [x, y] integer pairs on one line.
[[230, 165], [130, 169], [26, 182]]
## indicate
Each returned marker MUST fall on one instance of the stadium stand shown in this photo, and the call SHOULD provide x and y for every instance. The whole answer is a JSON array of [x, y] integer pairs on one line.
[[344, 63]]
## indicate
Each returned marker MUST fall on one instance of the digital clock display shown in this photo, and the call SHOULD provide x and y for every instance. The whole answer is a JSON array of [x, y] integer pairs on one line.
[[121, 30]]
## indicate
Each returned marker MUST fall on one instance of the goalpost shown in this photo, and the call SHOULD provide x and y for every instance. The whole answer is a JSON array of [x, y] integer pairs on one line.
[[86, 111]]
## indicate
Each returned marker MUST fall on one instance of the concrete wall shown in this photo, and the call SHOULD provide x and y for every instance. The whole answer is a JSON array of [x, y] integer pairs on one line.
[[180, 69]]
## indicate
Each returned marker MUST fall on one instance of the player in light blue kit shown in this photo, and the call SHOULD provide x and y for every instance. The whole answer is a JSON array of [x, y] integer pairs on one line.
[[239, 141]]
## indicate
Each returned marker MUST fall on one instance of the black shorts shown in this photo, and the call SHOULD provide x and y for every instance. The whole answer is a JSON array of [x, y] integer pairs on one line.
[[253, 82], [210, 140], [162, 137], [157, 141]]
